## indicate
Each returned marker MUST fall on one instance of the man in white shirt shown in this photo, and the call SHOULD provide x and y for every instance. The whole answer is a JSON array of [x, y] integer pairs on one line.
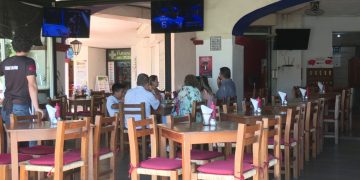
[[141, 94]]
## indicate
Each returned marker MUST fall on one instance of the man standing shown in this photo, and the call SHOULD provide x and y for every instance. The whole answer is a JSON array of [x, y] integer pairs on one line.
[[20, 81], [139, 95], [226, 86]]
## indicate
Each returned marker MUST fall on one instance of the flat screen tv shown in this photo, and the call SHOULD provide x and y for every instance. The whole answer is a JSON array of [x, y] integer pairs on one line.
[[291, 39], [169, 16], [66, 22]]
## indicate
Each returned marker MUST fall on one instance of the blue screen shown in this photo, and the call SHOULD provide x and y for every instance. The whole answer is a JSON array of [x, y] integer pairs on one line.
[[177, 15], [66, 22]]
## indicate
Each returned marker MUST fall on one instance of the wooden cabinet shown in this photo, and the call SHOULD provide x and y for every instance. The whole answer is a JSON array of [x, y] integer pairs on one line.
[[354, 72], [324, 75]]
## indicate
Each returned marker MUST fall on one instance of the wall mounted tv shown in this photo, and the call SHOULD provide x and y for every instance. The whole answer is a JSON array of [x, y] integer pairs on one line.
[[177, 16], [291, 39], [66, 22]]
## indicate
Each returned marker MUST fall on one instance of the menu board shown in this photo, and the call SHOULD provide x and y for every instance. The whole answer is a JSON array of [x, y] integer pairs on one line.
[[102, 84]]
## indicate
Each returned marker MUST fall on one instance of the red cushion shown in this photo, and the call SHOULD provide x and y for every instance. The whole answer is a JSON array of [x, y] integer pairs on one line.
[[37, 150], [6, 158], [201, 155], [223, 167], [249, 157], [161, 164], [48, 160], [282, 141]]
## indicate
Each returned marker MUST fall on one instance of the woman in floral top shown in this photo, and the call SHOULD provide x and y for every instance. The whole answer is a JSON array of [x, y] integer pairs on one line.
[[187, 95]]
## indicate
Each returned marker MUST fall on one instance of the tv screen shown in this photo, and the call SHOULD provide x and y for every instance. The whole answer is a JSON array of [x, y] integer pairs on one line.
[[177, 15], [291, 39], [66, 22]]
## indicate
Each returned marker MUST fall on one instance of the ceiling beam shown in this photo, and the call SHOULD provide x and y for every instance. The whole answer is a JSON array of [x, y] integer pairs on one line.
[[74, 3]]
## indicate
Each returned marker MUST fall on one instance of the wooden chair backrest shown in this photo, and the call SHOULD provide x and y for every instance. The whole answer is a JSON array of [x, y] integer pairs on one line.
[[351, 99], [291, 126], [135, 133], [14, 120], [308, 114], [239, 119], [67, 130], [247, 135], [130, 109], [272, 129], [275, 100], [226, 100], [80, 96], [312, 115], [99, 93], [196, 108], [321, 111], [230, 109], [105, 125], [171, 120], [98, 104], [301, 111]]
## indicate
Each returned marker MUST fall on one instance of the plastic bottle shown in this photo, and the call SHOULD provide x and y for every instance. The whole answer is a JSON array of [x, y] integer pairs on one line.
[[57, 113], [213, 107]]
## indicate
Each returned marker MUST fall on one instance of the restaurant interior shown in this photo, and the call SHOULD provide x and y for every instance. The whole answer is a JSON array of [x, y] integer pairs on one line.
[[295, 65]]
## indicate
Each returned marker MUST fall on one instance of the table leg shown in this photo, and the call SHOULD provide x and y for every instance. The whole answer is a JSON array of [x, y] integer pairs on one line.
[[162, 145], [14, 156], [186, 161]]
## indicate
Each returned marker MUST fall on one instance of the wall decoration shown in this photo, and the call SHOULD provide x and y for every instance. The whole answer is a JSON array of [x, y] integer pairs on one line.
[[321, 62], [215, 43], [102, 84], [121, 65], [111, 72], [205, 66]]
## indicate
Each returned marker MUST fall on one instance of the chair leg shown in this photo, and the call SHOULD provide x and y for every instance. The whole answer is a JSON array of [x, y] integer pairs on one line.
[[23, 173], [143, 148], [295, 162], [277, 170], [113, 167], [314, 145], [153, 177], [336, 132], [135, 175], [307, 146], [287, 163], [174, 175], [122, 144], [4, 172]]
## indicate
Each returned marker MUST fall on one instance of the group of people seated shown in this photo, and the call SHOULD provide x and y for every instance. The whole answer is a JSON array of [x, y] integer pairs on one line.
[[194, 89]]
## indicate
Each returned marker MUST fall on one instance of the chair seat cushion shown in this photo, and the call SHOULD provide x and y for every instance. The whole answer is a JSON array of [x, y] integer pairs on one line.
[[248, 158], [282, 141], [37, 150], [48, 160], [161, 164], [201, 155], [6, 158], [223, 167]]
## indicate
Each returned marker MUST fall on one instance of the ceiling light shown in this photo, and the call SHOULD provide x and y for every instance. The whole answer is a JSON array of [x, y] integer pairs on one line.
[[76, 46], [339, 36]]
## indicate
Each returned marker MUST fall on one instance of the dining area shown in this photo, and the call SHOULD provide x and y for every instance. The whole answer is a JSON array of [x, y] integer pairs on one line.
[[259, 138]]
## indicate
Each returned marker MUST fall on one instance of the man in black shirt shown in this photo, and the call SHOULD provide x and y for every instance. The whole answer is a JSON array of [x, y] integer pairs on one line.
[[20, 81]]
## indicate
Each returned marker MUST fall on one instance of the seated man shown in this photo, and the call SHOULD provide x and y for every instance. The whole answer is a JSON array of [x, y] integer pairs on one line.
[[226, 86], [118, 91], [139, 95]]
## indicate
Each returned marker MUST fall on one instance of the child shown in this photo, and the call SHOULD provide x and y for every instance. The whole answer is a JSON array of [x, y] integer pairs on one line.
[[118, 91]]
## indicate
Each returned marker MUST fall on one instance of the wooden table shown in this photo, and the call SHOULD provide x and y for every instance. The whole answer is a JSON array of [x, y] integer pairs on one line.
[[249, 117], [196, 133], [85, 102], [34, 132]]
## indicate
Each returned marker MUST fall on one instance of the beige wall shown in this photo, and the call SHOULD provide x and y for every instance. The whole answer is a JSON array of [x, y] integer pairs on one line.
[[183, 60], [96, 65]]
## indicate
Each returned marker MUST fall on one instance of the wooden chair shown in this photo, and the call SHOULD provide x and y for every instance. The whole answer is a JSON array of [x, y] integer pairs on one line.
[[105, 125], [198, 157], [196, 109], [60, 161], [97, 107], [97, 93], [272, 132], [289, 145], [155, 166], [230, 109], [275, 100], [333, 119], [320, 126], [236, 168], [34, 150], [301, 111], [311, 122], [130, 110], [351, 109], [5, 158]]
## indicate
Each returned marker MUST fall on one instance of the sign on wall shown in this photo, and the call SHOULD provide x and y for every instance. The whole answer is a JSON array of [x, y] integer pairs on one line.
[[102, 84], [111, 72], [205, 66], [215, 43]]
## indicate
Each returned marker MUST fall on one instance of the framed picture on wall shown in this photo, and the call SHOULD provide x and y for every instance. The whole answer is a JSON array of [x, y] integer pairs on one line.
[[205, 66]]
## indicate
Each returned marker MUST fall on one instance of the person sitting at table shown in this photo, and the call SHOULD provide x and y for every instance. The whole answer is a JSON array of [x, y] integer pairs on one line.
[[154, 84], [227, 88], [141, 94], [187, 95], [118, 93], [205, 89]]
